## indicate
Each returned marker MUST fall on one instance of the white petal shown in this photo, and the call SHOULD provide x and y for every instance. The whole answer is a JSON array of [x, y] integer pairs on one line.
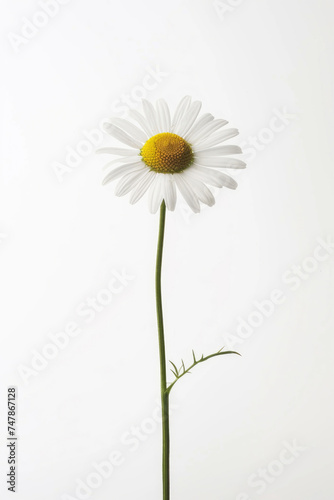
[[130, 129], [164, 121], [142, 186], [206, 131], [129, 182], [118, 151], [142, 121], [222, 162], [212, 177], [188, 119], [169, 191], [151, 116], [180, 111], [203, 120], [202, 192], [155, 194], [123, 170], [125, 159], [221, 136], [187, 193], [228, 181], [219, 151], [122, 136]]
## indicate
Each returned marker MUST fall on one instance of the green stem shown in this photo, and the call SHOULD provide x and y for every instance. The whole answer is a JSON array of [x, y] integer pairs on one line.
[[178, 375], [162, 352]]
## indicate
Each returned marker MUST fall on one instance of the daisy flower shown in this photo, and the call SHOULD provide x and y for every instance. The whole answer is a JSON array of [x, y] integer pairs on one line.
[[167, 154]]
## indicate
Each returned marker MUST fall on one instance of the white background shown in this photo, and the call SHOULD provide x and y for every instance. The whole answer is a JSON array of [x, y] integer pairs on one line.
[[63, 236]]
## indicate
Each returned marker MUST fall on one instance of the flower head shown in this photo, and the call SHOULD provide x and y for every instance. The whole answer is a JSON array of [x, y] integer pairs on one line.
[[167, 154]]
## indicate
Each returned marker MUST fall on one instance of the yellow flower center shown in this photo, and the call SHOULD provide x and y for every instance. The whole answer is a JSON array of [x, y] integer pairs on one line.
[[167, 153]]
